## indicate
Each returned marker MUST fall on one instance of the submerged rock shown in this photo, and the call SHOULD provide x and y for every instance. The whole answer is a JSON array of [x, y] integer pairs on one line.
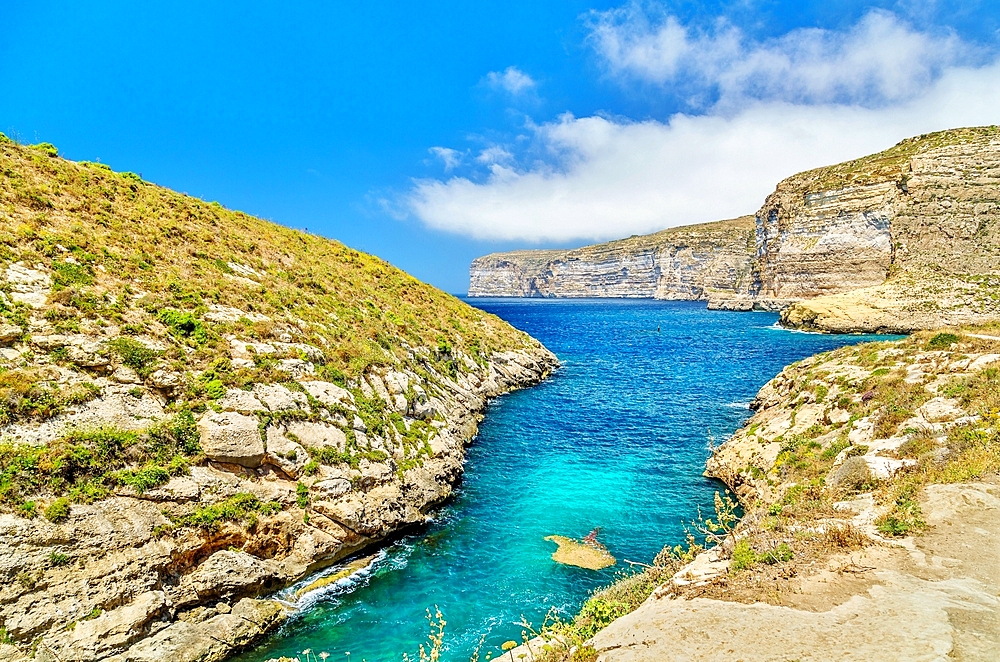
[[582, 555]]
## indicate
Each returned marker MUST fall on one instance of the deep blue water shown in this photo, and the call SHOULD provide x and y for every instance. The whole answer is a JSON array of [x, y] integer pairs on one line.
[[616, 439]]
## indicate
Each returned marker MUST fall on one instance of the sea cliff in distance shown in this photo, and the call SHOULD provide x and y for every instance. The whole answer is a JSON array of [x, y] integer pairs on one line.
[[905, 239]]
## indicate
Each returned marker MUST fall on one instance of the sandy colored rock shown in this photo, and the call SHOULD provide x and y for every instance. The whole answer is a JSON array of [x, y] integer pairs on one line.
[[230, 437], [574, 552]]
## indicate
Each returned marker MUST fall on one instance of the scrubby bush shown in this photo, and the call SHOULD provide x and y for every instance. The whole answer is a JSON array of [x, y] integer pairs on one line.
[[942, 341], [134, 354], [58, 510]]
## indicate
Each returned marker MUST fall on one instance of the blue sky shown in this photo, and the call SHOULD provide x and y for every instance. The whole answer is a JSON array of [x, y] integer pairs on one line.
[[430, 133]]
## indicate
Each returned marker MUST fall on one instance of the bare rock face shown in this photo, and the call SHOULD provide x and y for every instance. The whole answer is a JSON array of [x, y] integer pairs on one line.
[[686, 263], [232, 438], [905, 239]]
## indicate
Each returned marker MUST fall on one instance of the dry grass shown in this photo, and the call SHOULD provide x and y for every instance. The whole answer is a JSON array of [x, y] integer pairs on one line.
[[120, 247]]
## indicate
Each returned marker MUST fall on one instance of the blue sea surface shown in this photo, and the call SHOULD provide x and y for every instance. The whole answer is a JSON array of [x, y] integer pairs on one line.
[[617, 438]]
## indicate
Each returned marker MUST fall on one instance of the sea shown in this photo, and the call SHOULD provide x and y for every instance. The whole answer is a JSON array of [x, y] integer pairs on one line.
[[615, 440]]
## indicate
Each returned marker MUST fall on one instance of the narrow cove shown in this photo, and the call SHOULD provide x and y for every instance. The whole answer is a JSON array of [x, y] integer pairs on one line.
[[616, 439]]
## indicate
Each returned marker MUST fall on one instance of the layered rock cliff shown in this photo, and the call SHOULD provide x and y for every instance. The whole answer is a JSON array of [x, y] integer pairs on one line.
[[198, 407], [900, 240], [686, 263], [905, 239]]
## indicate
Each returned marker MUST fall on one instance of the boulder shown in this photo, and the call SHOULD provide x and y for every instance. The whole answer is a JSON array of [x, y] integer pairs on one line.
[[317, 435], [232, 438], [278, 398], [245, 402], [226, 574], [329, 394], [28, 286], [9, 333]]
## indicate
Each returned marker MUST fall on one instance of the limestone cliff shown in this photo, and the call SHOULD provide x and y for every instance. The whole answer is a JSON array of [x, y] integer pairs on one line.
[[687, 263], [198, 407], [901, 240], [904, 239]]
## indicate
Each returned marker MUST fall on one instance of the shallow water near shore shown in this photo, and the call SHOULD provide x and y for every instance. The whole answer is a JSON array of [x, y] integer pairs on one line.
[[616, 439]]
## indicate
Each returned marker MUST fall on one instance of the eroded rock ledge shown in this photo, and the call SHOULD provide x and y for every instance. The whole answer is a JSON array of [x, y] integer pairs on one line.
[[119, 579]]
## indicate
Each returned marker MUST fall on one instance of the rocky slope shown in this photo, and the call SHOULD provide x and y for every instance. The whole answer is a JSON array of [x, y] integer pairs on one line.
[[198, 407], [686, 263], [905, 239], [869, 479]]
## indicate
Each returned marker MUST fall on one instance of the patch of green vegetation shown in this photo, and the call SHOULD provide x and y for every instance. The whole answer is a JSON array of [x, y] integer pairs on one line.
[[301, 495], [84, 463], [942, 341], [184, 325], [68, 274], [58, 510], [135, 355], [28, 394], [243, 508], [58, 559]]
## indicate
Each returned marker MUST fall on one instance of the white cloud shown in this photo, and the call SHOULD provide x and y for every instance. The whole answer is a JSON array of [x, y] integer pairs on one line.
[[511, 80], [494, 154], [451, 158], [808, 99], [877, 61]]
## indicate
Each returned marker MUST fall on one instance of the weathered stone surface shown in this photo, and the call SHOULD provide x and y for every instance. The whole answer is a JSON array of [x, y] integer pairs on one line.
[[27, 285], [686, 263], [329, 394], [9, 333], [231, 437]]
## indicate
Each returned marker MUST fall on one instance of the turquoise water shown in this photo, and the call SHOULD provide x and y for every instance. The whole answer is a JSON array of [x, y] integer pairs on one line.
[[616, 439]]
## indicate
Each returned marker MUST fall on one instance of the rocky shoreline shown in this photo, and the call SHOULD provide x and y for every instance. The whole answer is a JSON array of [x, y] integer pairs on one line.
[[870, 479], [130, 585]]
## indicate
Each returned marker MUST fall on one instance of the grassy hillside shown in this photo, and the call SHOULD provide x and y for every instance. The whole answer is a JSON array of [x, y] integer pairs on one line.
[[122, 250]]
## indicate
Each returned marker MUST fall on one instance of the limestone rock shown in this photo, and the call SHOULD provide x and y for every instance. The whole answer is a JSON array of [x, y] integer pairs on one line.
[[9, 333], [28, 286], [317, 435], [278, 398], [328, 394], [227, 573], [232, 438]]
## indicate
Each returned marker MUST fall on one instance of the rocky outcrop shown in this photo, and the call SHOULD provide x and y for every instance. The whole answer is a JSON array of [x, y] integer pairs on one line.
[[198, 408], [901, 240], [685, 263]]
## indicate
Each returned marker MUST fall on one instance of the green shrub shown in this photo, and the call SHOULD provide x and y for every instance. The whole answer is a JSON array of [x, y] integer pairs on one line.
[[28, 509], [742, 557], [47, 148], [57, 559], [184, 325], [58, 510], [302, 495], [68, 274], [942, 341], [134, 354], [242, 507]]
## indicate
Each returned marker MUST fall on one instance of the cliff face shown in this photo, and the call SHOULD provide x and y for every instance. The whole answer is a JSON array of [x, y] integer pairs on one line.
[[687, 263], [198, 407], [904, 239]]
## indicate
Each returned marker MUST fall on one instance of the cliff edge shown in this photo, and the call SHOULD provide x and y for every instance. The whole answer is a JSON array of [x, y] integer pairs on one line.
[[905, 239], [198, 407]]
